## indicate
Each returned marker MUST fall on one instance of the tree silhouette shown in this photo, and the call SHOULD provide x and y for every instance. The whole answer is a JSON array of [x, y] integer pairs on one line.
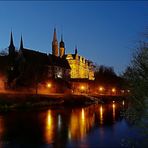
[[106, 76], [136, 76]]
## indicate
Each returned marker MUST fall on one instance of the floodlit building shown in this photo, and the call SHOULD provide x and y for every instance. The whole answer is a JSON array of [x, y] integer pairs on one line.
[[81, 68], [27, 67]]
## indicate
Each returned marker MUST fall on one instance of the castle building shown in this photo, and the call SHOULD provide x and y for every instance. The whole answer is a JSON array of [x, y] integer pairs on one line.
[[27, 67], [37, 64], [81, 68]]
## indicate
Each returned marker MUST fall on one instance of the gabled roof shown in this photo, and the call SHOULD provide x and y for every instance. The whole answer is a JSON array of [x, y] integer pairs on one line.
[[35, 56]]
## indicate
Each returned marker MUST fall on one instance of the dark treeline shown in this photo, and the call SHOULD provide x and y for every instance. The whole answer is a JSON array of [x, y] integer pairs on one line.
[[106, 76]]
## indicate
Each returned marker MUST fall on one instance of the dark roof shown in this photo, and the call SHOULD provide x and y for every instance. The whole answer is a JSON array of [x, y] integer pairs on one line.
[[42, 58], [57, 61], [35, 57]]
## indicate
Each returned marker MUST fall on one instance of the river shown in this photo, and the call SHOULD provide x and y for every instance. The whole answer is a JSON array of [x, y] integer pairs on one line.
[[100, 125]]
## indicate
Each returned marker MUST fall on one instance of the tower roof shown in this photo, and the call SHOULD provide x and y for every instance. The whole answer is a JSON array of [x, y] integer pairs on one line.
[[55, 35], [62, 42], [76, 50], [11, 41]]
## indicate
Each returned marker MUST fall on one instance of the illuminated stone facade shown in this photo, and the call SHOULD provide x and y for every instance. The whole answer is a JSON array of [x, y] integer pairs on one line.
[[81, 68]]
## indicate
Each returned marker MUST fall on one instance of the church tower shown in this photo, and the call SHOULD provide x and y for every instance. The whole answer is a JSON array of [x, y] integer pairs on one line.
[[11, 47], [62, 47], [55, 44]]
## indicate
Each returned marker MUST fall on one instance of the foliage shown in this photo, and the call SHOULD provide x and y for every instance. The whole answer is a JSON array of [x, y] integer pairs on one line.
[[105, 75], [136, 76]]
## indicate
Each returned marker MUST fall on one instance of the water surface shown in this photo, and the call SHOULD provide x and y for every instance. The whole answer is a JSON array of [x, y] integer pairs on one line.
[[99, 125]]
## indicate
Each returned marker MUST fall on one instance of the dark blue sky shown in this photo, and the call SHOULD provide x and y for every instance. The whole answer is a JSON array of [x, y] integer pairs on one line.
[[104, 32]]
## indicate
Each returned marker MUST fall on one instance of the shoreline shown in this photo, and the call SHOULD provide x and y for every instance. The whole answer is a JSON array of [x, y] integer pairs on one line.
[[12, 101]]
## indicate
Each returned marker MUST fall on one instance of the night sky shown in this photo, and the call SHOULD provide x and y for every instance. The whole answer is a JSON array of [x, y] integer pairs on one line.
[[104, 32]]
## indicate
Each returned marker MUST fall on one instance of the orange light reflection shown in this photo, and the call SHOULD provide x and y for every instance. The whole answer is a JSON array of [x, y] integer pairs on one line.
[[49, 128], [80, 123], [101, 115], [114, 111]]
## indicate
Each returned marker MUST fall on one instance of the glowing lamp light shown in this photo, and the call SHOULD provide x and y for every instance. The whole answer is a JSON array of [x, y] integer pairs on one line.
[[100, 88], [82, 87], [122, 91], [128, 91], [113, 90], [49, 85], [123, 103]]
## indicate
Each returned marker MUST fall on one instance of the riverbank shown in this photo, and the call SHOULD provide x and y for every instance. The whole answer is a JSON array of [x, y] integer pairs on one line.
[[24, 101]]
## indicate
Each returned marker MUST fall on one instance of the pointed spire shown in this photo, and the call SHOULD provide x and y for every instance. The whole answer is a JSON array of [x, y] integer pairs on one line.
[[62, 42], [61, 37], [21, 43], [11, 46], [55, 35], [11, 40]]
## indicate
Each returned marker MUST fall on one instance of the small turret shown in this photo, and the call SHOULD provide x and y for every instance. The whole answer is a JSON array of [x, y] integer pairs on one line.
[[76, 51], [62, 47]]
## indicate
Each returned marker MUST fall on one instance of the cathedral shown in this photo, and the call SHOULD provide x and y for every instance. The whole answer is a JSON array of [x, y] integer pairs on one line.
[[28, 68]]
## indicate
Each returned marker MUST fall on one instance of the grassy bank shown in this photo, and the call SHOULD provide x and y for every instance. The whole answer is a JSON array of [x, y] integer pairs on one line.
[[24, 101]]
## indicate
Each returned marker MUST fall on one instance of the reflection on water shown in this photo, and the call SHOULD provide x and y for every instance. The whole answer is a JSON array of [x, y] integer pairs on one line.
[[49, 127], [58, 127], [101, 115], [81, 121], [123, 103], [114, 111]]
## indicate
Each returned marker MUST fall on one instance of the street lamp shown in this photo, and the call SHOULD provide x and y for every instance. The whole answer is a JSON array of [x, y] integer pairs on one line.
[[101, 88], [48, 85], [82, 87], [113, 90]]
